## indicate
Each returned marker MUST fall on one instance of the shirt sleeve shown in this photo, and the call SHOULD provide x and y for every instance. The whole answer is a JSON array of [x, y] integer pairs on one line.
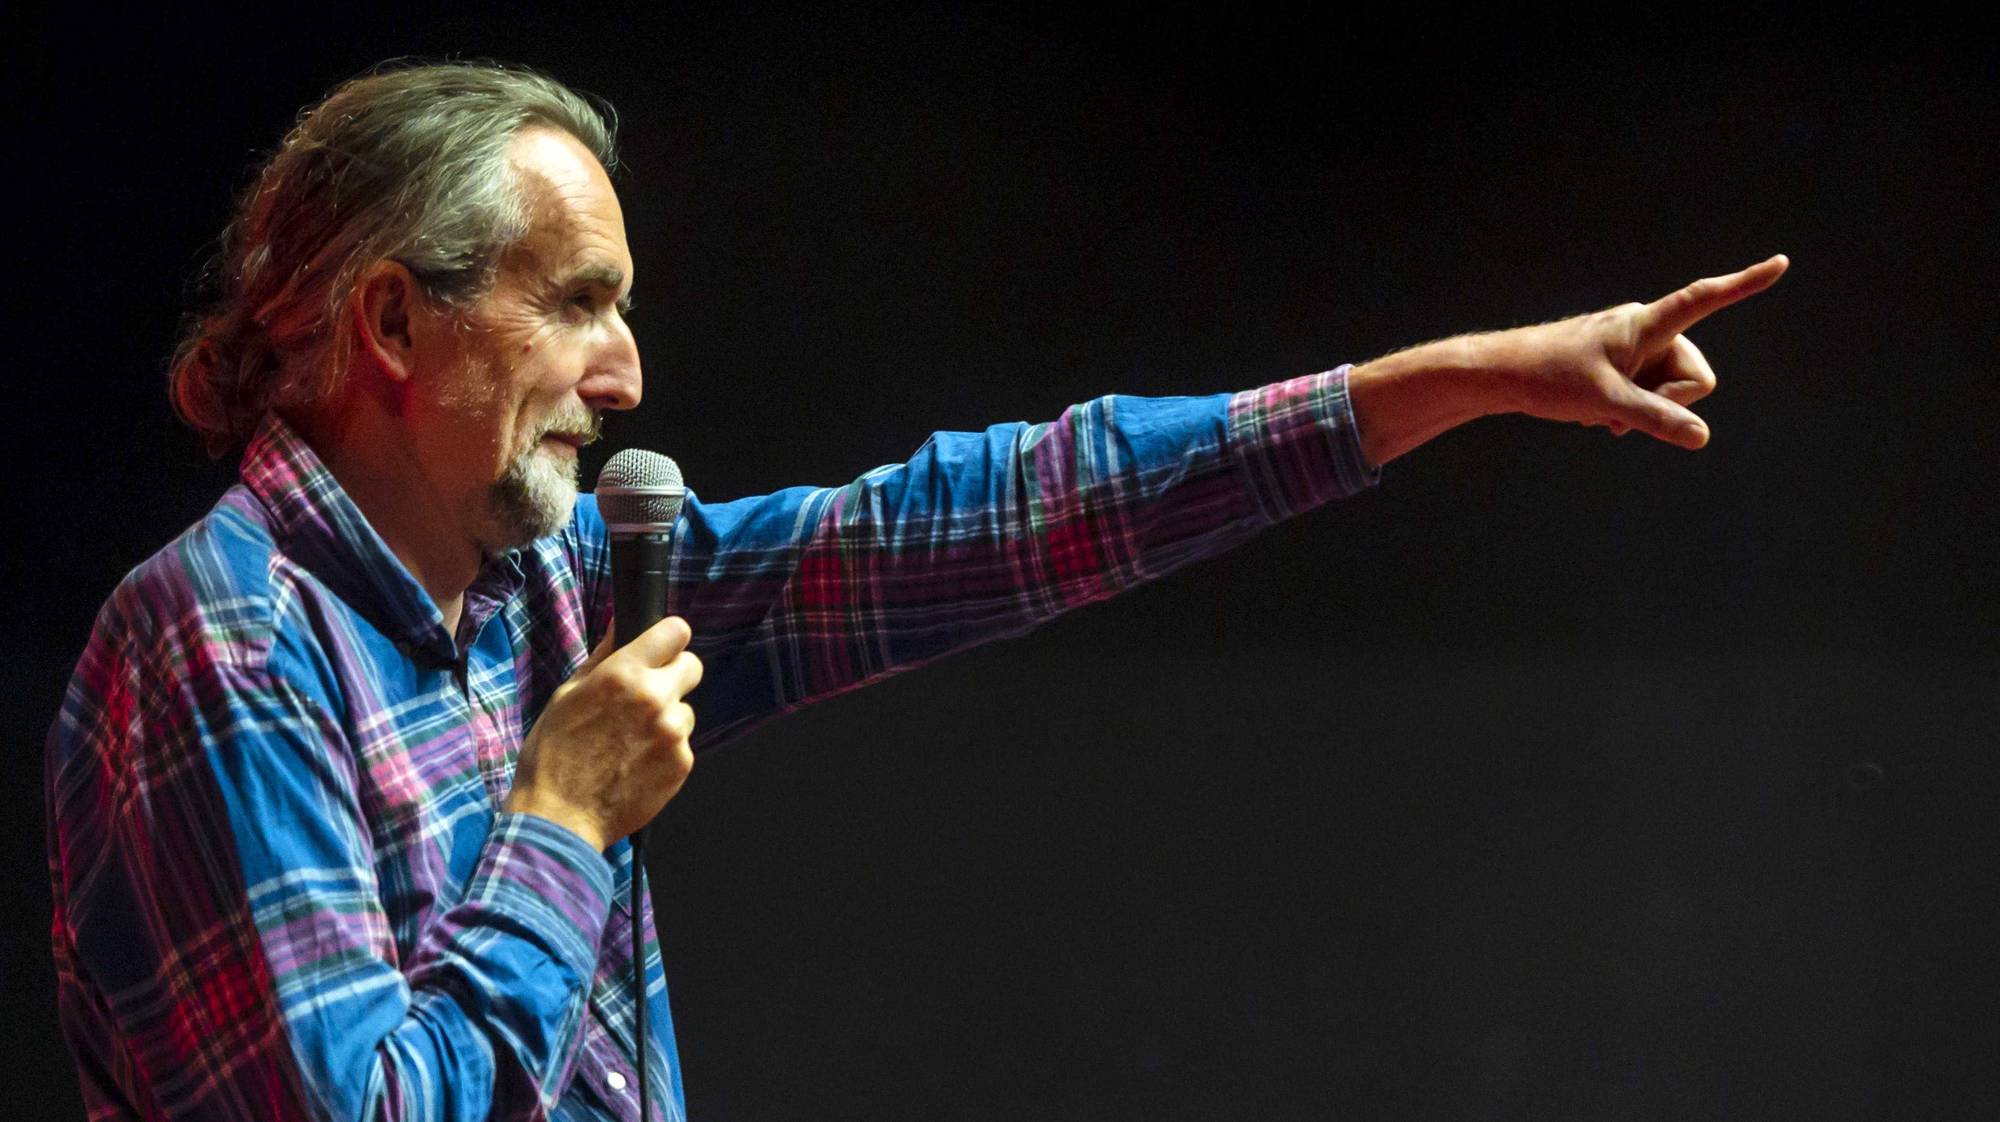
[[221, 944], [807, 592]]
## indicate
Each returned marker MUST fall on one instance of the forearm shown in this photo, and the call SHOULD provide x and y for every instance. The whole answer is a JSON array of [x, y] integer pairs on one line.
[[500, 981], [1404, 399]]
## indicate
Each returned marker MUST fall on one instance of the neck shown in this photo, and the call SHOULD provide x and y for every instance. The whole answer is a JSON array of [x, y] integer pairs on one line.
[[375, 465]]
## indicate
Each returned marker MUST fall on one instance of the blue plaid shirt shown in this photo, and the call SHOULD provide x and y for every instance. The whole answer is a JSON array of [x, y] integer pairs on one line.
[[283, 884]]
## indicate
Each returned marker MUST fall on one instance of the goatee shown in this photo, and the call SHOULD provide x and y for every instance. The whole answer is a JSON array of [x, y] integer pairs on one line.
[[537, 493]]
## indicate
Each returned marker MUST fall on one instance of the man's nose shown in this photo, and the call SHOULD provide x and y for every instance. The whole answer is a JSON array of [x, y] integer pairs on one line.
[[614, 380]]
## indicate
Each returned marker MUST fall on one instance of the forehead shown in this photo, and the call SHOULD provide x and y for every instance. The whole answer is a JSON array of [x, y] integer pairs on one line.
[[574, 219]]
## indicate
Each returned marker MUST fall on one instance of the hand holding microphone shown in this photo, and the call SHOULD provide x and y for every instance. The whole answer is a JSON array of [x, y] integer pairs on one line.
[[612, 746]]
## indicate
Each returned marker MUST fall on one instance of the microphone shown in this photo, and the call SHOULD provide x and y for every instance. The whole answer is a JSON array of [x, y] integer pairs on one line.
[[639, 493]]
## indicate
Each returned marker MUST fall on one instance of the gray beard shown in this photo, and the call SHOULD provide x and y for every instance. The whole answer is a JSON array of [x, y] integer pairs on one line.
[[534, 498]]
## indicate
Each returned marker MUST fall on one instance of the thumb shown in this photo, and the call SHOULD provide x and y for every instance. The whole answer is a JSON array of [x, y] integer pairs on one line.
[[660, 643], [1658, 417]]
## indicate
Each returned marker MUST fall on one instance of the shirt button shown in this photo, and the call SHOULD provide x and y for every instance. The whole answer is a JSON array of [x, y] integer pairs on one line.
[[616, 1080]]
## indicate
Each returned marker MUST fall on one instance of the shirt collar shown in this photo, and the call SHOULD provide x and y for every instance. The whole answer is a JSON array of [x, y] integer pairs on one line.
[[320, 528]]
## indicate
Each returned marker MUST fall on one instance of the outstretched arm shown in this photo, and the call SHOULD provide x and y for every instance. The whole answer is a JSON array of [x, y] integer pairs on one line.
[[804, 593], [1626, 367]]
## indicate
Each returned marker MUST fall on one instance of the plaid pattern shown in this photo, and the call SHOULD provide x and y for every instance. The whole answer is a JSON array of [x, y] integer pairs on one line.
[[282, 884]]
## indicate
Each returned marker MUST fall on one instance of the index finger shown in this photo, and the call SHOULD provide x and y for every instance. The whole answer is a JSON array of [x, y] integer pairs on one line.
[[1677, 311]]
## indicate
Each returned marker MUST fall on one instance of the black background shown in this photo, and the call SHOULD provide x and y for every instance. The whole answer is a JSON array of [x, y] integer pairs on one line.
[[1561, 777]]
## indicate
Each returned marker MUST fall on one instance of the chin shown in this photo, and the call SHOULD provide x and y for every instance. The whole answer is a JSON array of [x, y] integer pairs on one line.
[[535, 497]]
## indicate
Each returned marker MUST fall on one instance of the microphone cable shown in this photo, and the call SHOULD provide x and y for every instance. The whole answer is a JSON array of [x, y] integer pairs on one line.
[[639, 1042]]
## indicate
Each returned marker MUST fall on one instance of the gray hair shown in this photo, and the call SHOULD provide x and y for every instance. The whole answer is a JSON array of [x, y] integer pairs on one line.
[[406, 163]]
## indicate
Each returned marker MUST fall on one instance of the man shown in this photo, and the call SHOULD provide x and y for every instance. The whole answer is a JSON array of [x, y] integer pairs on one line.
[[339, 793]]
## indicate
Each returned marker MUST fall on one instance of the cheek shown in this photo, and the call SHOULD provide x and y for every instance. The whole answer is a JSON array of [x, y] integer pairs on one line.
[[536, 398]]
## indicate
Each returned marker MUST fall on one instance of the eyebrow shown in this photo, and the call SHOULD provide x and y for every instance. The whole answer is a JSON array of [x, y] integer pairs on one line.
[[604, 276]]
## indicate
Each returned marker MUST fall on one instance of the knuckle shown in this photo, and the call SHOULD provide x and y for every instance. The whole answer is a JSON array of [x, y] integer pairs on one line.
[[679, 761], [651, 707], [675, 723]]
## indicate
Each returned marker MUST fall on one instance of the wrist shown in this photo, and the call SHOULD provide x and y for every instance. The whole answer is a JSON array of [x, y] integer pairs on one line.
[[585, 826], [1490, 365], [1469, 373], [1404, 399]]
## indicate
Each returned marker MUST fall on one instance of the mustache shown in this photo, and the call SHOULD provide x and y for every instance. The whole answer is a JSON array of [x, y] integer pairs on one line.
[[582, 426]]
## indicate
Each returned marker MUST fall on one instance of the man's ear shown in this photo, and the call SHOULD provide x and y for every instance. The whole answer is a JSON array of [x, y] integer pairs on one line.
[[384, 299]]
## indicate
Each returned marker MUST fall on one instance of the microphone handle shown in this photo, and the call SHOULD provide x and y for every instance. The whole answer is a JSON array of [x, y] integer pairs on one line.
[[638, 582]]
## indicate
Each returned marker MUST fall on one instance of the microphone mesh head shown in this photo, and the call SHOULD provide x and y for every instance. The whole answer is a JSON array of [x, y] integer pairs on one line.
[[649, 473]]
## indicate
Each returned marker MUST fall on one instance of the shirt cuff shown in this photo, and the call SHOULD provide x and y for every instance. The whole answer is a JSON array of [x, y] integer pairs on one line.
[[1299, 443], [549, 879], [1347, 433]]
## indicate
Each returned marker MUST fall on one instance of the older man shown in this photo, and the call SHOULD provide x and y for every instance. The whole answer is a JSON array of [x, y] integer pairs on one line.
[[339, 791]]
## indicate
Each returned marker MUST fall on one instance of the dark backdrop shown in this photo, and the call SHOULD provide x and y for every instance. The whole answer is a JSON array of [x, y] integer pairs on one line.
[[1562, 777]]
